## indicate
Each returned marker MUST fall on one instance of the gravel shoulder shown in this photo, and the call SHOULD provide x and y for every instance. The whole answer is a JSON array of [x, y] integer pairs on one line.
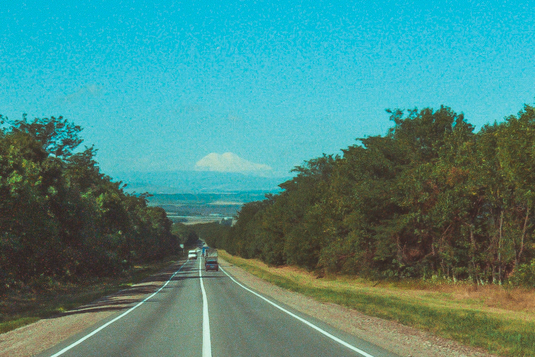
[[405, 341], [35, 338], [402, 340]]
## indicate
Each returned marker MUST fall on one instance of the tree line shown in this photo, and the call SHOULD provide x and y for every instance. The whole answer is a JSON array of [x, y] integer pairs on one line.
[[430, 199], [60, 216]]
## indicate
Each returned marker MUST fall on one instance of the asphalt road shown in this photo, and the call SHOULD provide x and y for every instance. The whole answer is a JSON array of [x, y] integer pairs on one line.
[[241, 323]]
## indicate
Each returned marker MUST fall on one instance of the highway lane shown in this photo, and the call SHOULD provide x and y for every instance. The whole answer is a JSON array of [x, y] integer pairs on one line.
[[241, 324], [168, 324]]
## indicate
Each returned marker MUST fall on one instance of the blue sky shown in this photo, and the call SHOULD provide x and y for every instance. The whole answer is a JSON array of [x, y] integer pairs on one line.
[[264, 85]]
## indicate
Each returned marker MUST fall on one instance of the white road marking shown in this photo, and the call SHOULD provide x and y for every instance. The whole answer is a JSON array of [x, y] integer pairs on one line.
[[115, 319], [206, 343], [332, 337]]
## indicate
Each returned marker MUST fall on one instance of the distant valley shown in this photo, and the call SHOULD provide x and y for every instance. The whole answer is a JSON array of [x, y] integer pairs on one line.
[[190, 208], [194, 196], [171, 182]]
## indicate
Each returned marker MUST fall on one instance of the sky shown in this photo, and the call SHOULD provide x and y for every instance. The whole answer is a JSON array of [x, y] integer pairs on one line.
[[257, 86]]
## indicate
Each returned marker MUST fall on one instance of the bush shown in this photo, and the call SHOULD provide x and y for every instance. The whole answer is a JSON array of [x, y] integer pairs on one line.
[[524, 275]]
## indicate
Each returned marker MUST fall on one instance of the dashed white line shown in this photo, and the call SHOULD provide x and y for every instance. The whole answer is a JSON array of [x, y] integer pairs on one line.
[[332, 337]]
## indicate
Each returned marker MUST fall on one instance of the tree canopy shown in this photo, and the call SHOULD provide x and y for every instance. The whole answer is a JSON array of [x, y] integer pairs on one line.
[[431, 198], [60, 216]]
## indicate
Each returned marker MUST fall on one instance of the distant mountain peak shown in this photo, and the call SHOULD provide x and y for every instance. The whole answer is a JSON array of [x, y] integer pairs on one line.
[[229, 162]]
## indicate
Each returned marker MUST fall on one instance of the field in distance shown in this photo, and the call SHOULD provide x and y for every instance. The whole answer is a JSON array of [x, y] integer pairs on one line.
[[191, 208]]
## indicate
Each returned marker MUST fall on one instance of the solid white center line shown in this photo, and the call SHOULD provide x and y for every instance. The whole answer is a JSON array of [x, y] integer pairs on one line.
[[206, 343], [332, 337]]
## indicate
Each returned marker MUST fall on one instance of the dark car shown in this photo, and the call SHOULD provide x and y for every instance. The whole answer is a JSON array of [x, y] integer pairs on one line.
[[211, 264]]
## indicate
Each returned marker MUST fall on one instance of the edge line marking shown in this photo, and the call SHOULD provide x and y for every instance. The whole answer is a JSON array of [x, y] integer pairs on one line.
[[117, 318], [325, 333]]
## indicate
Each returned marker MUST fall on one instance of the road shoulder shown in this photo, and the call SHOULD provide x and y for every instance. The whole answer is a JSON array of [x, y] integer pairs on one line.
[[402, 340], [35, 338], [389, 335]]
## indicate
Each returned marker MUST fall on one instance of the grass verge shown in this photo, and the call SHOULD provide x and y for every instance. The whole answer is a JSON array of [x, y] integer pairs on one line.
[[25, 306], [492, 317]]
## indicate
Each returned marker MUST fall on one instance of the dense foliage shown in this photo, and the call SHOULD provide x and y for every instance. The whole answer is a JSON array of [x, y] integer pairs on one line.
[[212, 233], [60, 217], [431, 198]]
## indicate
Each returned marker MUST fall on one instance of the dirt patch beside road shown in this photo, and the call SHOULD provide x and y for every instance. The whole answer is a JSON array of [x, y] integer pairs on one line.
[[46, 333]]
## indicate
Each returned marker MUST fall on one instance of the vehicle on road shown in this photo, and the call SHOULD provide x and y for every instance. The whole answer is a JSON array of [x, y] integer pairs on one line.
[[210, 259], [192, 254]]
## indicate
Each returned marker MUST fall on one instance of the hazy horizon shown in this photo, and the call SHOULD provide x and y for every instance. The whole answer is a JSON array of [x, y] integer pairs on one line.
[[171, 182]]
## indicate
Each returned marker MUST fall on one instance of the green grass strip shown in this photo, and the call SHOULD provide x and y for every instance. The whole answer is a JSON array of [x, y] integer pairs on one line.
[[507, 337], [11, 325]]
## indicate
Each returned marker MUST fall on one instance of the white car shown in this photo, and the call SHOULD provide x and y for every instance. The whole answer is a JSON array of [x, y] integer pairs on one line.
[[192, 254]]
